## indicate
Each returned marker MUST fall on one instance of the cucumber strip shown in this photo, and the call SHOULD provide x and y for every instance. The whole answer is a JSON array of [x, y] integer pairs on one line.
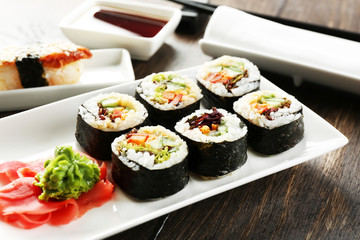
[[109, 102]]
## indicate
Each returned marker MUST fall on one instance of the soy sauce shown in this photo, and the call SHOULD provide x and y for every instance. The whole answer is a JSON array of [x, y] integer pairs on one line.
[[144, 26]]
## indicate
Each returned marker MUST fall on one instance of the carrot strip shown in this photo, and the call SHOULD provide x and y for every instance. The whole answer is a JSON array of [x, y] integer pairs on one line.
[[137, 139]]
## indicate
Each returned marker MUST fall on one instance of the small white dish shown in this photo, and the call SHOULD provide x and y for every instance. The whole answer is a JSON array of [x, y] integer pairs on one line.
[[35, 133], [106, 68], [82, 28]]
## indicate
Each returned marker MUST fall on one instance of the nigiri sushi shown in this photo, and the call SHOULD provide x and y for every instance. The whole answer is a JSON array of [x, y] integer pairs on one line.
[[41, 65]]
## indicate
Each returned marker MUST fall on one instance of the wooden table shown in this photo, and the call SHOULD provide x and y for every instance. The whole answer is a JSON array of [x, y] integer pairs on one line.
[[319, 199]]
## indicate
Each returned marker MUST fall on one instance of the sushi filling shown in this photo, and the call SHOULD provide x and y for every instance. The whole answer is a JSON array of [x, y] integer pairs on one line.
[[168, 91], [151, 147], [229, 76], [269, 103], [113, 112], [268, 109], [209, 123], [112, 108], [215, 125]]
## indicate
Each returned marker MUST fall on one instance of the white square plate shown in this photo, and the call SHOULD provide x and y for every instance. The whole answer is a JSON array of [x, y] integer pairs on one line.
[[54, 124], [107, 67]]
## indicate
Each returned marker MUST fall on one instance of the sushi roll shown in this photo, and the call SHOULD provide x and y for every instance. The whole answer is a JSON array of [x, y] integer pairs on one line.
[[216, 140], [225, 79], [104, 117], [168, 97], [150, 162], [41, 65], [274, 119]]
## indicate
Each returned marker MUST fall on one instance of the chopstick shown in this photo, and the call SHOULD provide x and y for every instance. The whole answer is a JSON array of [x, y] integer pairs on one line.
[[201, 7], [210, 8]]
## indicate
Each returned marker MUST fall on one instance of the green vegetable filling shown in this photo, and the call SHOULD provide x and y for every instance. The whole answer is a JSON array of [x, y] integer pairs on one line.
[[110, 102], [112, 108], [158, 94], [67, 175], [236, 67], [161, 147], [274, 101], [160, 78]]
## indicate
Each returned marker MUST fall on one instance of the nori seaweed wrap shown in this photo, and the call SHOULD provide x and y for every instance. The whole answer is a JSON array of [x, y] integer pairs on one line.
[[225, 79], [168, 97], [31, 72], [274, 119], [216, 140], [150, 163], [103, 118]]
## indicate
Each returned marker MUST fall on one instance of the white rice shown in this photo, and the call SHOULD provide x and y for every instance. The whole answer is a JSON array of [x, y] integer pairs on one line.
[[232, 122], [9, 77], [133, 159], [147, 87], [67, 74], [247, 84], [281, 117], [89, 111]]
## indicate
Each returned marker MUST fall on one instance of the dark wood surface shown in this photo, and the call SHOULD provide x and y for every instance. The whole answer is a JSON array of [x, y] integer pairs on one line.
[[319, 199]]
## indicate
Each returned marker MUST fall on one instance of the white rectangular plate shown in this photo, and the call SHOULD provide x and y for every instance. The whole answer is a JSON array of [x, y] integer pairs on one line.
[[107, 67], [35, 133]]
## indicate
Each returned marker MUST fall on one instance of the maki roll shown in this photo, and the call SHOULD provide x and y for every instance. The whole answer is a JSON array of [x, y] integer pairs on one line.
[[150, 162], [274, 119], [168, 97], [41, 65], [103, 118], [216, 140], [225, 79]]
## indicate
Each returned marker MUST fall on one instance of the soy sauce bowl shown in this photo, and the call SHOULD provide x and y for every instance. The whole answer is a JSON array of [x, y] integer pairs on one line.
[[83, 28]]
